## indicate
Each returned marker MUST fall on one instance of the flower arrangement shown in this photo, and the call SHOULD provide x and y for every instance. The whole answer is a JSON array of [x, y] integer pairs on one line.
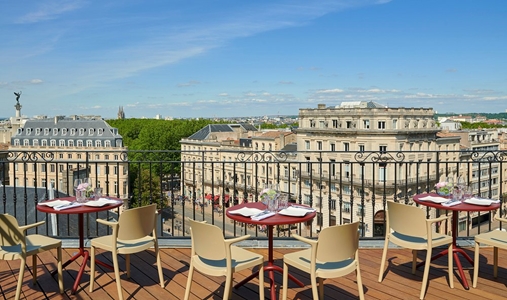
[[86, 187], [444, 188], [267, 193]]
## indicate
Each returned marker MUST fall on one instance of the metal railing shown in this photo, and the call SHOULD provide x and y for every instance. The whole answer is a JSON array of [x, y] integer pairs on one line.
[[202, 185]]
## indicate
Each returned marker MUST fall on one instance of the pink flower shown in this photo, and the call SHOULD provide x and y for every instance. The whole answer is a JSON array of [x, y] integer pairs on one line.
[[440, 184], [82, 186]]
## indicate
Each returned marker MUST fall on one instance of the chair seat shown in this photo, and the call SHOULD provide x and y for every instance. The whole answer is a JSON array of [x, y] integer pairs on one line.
[[335, 269], [123, 247], [35, 243], [496, 238], [418, 243], [242, 259]]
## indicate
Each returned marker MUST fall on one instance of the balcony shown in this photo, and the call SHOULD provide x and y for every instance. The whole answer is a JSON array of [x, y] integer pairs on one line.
[[145, 177], [398, 281]]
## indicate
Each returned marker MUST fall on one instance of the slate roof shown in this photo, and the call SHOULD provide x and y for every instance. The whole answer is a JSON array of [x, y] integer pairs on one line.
[[204, 132], [66, 129]]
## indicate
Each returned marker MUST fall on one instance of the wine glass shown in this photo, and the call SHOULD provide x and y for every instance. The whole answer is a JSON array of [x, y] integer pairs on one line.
[[77, 182]]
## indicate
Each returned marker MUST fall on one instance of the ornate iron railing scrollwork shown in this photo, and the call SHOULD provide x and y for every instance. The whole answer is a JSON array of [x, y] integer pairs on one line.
[[262, 156]]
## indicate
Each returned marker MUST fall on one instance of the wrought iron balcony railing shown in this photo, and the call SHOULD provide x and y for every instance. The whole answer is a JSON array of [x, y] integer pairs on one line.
[[342, 190]]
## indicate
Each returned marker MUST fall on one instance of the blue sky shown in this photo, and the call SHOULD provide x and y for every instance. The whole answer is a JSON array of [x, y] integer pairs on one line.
[[185, 58]]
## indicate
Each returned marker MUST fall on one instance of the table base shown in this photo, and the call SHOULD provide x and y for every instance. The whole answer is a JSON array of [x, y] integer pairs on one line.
[[86, 256], [455, 251], [270, 268]]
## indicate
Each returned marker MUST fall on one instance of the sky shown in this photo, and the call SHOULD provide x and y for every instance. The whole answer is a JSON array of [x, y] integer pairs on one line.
[[230, 58]]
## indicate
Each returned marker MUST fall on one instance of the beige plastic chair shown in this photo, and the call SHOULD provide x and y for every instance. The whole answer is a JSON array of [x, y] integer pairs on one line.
[[333, 254], [134, 232], [408, 227], [213, 255], [15, 244], [495, 238]]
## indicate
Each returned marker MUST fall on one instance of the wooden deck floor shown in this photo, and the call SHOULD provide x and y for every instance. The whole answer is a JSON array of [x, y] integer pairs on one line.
[[398, 282]]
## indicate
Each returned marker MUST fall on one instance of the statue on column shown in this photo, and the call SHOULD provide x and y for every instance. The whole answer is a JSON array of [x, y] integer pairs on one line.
[[17, 96]]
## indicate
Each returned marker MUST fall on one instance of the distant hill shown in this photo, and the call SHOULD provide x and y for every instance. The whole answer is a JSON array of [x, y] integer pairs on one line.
[[500, 116]]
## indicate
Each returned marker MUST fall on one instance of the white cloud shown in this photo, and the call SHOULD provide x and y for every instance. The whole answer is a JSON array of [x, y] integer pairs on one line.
[[49, 10], [36, 81], [332, 91]]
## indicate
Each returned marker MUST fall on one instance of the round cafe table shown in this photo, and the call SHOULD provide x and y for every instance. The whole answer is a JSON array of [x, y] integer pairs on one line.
[[455, 210], [269, 222], [80, 211]]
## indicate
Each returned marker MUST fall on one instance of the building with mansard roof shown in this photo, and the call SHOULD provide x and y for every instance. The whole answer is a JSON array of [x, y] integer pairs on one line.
[[58, 150]]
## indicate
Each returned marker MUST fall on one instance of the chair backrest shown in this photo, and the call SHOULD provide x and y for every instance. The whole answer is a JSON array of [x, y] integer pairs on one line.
[[10, 235], [406, 219], [339, 242], [207, 240], [137, 222]]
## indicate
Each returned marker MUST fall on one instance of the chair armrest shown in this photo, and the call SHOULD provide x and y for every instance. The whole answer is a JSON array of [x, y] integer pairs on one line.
[[26, 227], [305, 240], [439, 219], [501, 219], [108, 223], [237, 239]]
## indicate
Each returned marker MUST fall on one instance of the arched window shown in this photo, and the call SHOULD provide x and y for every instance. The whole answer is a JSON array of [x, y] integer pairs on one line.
[[44, 143], [107, 143], [26, 142], [52, 143], [16, 142], [89, 143], [98, 143], [79, 143], [71, 143], [61, 143]]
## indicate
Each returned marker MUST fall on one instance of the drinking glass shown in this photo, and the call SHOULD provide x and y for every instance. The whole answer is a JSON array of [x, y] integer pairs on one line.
[[97, 193], [77, 183], [283, 201]]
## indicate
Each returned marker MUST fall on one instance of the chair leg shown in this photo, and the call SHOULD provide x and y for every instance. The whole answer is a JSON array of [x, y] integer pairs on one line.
[[60, 275], [414, 261], [20, 277], [117, 275], [321, 288], [34, 268], [425, 274], [313, 281], [285, 281], [359, 282], [383, 261], [261, 281], [228, 286], [189, 281], [476, 264], [159, 266], [127, 264], [92, 268]]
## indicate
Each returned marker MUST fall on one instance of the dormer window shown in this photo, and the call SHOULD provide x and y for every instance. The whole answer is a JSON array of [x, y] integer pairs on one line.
[[55, 131], [90, 131], [73, 131], [101, 131], [89, 143], [28, 130], [46, 131], [64, 131], [81, 131], [20, 130], [37, 131]]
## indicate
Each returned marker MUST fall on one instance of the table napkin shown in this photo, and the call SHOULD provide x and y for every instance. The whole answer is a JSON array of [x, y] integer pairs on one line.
[[303, 207], [54, 203], [66, 206], [481, 201], [434, 199], [451, 202], [263, 215]]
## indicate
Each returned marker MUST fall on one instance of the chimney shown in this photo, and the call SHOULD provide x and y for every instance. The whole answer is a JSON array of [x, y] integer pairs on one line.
[[321, 106]]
